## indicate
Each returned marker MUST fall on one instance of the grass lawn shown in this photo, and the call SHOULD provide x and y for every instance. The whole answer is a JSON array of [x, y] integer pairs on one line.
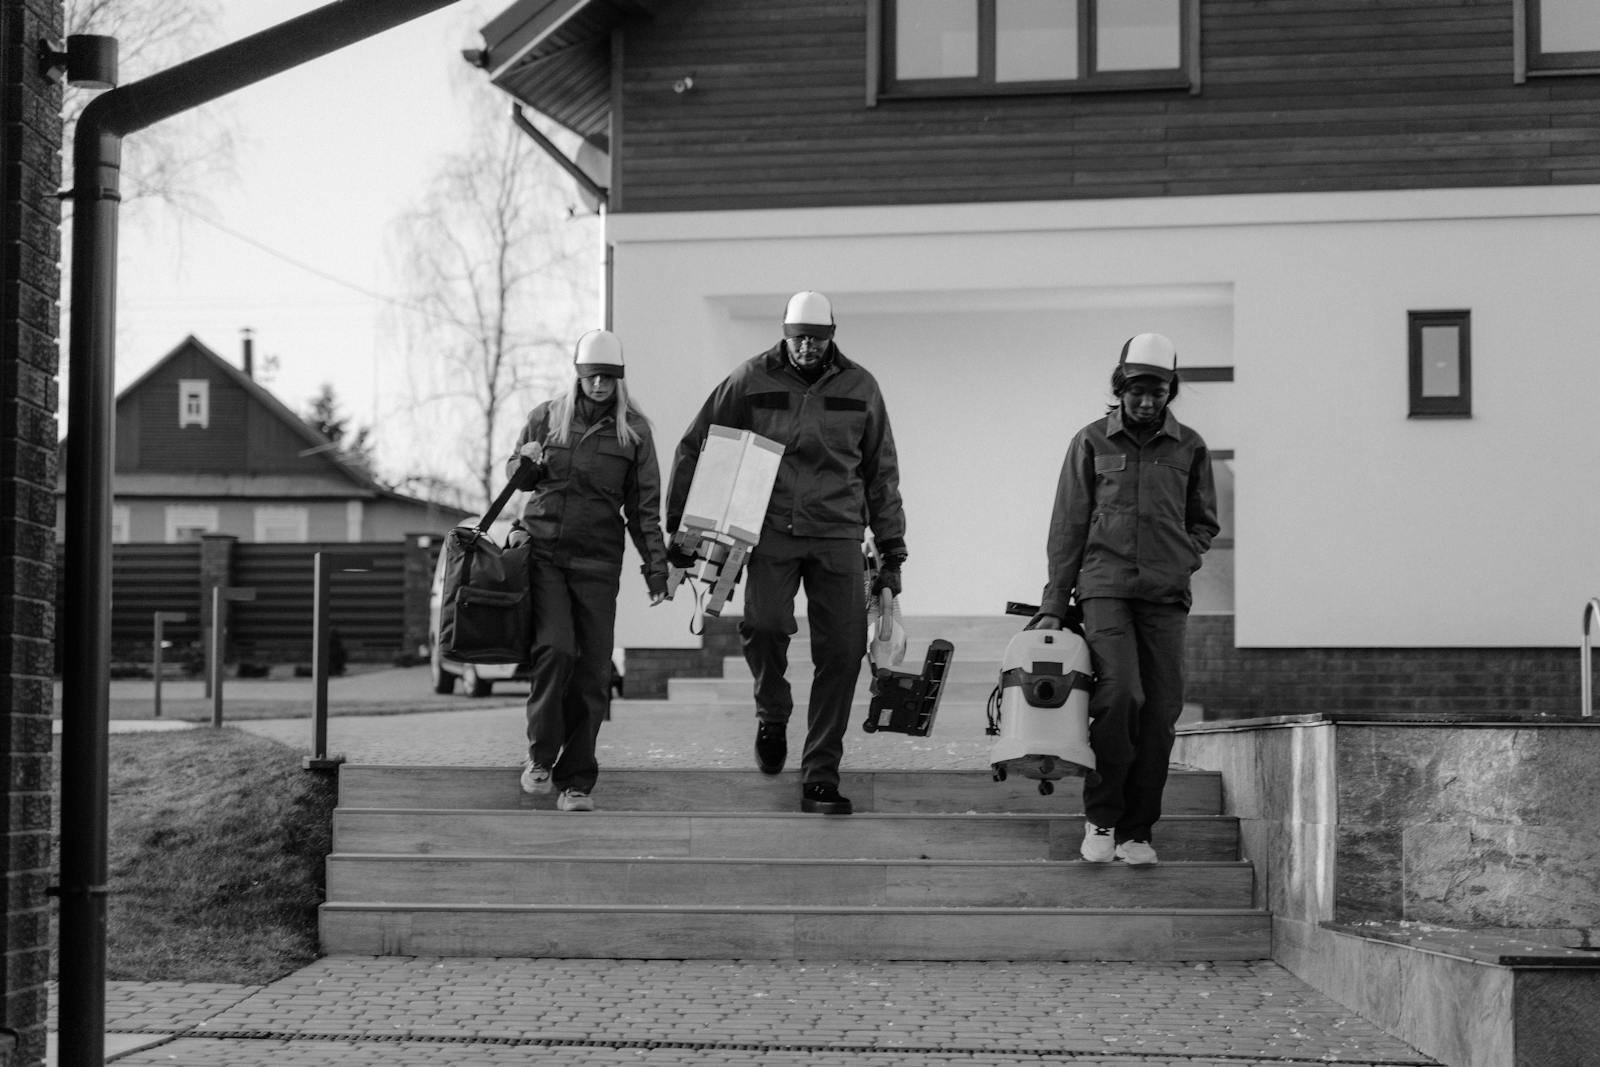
[[217, 842]]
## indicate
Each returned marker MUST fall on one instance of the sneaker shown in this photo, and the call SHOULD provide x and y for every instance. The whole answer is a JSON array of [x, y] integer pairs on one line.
[[818, 799], [535, 779], [772, 746], [1136, 853], [1099, 846], [574, 800]]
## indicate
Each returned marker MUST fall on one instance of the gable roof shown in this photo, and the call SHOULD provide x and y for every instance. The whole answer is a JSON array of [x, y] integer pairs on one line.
[[555, 57], [343, 478]]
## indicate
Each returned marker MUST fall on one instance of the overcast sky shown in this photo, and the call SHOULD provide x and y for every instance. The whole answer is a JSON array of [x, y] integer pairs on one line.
[[299, 246]]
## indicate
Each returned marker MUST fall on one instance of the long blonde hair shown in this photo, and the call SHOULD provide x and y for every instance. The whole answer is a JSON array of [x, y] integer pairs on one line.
[[563, 407]]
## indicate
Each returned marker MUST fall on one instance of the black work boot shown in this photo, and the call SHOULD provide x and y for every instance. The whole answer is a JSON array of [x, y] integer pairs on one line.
[[772, 746], [819, 799]]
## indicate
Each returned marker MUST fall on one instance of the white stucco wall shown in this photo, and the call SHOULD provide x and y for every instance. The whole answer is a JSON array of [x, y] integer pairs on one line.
[[993, 330]]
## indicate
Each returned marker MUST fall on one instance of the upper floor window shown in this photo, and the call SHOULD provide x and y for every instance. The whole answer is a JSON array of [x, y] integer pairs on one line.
[[194, 402], [960, 47], [1557, 37]]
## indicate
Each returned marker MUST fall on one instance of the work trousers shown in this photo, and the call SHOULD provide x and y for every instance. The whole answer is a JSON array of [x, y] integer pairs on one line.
[[1137, 649], [832, 573], [574, 621]]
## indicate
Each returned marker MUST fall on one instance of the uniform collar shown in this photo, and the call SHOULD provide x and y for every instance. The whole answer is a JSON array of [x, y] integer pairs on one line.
[[1114, 426], [777, 359]]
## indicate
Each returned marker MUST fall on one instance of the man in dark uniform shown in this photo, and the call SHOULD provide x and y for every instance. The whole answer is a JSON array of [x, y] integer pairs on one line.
[[839, 476]]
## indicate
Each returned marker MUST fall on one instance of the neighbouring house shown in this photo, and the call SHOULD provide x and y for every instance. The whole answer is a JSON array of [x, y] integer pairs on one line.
[[201, 447], [1372, 228]]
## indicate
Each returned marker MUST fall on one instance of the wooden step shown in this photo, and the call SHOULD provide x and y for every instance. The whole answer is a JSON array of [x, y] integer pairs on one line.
[[395, 879], [783, 933], [1189, 792], [776, 836]]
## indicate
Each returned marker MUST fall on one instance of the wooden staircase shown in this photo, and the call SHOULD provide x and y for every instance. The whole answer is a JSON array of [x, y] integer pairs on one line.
[[719, 864], [935, 865]]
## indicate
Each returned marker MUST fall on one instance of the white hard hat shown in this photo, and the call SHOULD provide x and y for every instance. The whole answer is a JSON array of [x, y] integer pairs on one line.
[[1149, 353], [808, 313], [598, 352]]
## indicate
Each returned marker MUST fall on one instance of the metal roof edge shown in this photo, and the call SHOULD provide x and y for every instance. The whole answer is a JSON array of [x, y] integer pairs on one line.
[[528, 23]]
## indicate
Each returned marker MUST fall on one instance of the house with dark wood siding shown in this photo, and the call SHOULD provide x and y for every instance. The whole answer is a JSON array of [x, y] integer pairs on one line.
[[1370, 226], [201, 447]]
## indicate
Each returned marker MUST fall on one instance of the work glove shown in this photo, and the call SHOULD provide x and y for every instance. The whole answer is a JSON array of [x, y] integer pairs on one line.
[[530, 472], [888, 576], [679, 557]]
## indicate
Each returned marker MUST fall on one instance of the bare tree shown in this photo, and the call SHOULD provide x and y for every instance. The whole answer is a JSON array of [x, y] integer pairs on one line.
[[499, 274], [171, 160]]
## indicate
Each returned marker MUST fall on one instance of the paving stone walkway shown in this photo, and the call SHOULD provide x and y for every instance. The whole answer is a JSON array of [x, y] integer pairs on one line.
[[400, 1011], [404, 1011]]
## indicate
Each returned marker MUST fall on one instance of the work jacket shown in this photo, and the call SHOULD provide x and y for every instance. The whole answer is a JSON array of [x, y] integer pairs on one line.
[[839, 472], [1130, 521], [583, 491]]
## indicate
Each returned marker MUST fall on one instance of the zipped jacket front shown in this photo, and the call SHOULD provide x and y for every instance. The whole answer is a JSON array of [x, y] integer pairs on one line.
[[1130, 520], [840, 472], [593, 488]]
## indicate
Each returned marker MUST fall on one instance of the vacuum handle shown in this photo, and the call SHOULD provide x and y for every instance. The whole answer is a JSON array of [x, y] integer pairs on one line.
[[885, 615]]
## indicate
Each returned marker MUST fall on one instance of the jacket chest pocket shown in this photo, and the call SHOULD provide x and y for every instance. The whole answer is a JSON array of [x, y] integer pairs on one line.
[[844, 424], [771, 416], [608, 469], [1109, 470], [557, 462]]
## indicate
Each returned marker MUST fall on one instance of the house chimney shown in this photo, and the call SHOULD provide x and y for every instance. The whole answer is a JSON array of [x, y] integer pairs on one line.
[[249, 352]]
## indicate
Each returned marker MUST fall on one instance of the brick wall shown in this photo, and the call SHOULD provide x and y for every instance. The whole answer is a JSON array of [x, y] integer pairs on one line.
[[1243, 683], [30, 137]]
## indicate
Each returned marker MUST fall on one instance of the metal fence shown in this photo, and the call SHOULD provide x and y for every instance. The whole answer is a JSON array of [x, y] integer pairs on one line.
[[367, 610]]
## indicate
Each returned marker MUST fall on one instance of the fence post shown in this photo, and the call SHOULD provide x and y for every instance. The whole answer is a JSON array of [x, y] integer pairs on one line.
[[324, 564], [159, 642], [220, 595]]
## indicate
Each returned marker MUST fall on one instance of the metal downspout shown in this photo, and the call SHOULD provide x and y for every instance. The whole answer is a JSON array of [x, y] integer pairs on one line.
[[86, 617]]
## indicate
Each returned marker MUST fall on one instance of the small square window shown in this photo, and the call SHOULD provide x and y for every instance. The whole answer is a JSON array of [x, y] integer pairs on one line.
[[1440, 344], [194, 402], [1557, 37]]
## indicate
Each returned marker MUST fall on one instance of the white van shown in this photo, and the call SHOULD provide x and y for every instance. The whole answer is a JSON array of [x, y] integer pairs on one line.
[[477, 679]]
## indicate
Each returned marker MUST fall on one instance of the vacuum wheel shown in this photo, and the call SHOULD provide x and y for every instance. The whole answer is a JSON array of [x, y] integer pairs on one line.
[[1046, 787]]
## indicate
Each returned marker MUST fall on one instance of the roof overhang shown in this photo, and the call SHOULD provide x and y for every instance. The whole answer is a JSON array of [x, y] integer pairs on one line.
[[554, 56]]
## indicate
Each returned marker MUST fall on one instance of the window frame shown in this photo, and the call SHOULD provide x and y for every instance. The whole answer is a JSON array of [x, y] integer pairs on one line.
[[201, 518], [1458, 406], [1532, 62], [200, 390], [883, 85], [270, 519]]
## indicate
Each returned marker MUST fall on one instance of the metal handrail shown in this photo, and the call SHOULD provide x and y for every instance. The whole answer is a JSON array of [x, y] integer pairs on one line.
[[1586, 683]]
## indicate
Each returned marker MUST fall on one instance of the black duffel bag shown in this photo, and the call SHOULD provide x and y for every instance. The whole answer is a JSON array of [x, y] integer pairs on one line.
[[485, 607]]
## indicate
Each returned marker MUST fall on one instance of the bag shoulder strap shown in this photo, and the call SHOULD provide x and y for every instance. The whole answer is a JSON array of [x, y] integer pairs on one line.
[[498, 505]]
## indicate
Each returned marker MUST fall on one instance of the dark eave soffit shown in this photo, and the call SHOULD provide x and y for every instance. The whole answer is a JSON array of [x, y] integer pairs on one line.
[[554, 56]]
